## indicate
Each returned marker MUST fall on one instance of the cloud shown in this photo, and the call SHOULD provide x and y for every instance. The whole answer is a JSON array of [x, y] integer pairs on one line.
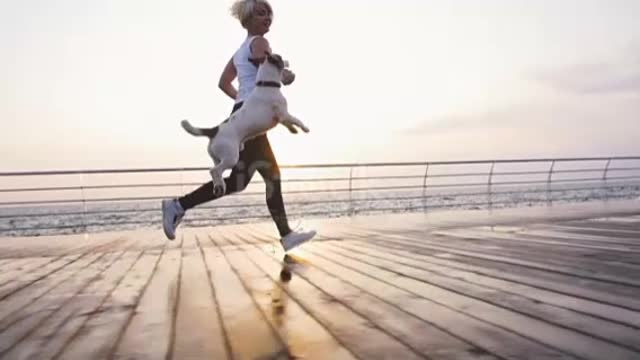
[[589, 109], [594, 78], [557, 126], [551, 113], [484, 121]]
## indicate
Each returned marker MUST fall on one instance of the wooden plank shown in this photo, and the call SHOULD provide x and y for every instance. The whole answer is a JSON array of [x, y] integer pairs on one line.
[[23, 299], [5, 263], [516, 245], [539, 276], [542, 250], [553, 336], [535, 238], [506, 297], [533, 249], [564, 237], [559, 234], [304, 337], [595, 274], [62, 323], [97, 338], [615, 254], [600, 225], [196, 310], [616, 231], [518, 285], [486, 335], [101, 242], [629, 221], [421, 243], [602, 280], [361, 336], [248, 334], [37, 274], [19, 267], [15, 327], [416, 333], [149, 334], [55, 246], [40, 286]]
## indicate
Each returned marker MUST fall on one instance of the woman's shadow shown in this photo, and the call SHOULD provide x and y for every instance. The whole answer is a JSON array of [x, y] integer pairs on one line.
[[280, 296]]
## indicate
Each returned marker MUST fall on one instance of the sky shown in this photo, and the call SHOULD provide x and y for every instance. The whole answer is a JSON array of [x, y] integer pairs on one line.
[[104, 84]]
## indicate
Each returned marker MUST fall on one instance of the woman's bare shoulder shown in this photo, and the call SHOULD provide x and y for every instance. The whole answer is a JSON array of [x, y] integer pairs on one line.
[[259, 45]]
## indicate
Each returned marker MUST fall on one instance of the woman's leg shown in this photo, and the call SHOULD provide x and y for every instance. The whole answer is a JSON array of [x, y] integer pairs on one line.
[[260, 157], [257, 155], [236, 182], [173, 210], [265, 163]]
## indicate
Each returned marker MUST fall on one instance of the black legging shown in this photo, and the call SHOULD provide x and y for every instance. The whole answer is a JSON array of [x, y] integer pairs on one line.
[[257, 155]]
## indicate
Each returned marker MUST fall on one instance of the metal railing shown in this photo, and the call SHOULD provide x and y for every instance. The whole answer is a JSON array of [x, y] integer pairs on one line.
[[79, 204]]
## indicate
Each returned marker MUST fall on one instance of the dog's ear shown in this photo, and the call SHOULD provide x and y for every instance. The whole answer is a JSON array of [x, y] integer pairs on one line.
[[276, 60], [256, 61], [268, 55]]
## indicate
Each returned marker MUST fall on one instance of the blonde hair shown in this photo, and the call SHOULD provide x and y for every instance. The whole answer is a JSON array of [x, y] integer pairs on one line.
[[243, 9]]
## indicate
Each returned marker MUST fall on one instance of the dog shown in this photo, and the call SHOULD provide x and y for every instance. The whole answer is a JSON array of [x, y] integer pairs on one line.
[[263, 110]]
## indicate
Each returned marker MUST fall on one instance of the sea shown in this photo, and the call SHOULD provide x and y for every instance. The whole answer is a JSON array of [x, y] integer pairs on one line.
[[250, 206]]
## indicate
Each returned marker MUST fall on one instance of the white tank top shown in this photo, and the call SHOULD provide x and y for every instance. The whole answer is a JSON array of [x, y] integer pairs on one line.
[[246, 71]]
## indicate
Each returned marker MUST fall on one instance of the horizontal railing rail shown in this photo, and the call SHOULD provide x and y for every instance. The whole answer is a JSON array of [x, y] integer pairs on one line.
[[317, 166], [79, 205]]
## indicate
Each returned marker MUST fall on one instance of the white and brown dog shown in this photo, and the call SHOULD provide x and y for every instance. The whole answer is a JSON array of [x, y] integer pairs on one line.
[[263, 109]]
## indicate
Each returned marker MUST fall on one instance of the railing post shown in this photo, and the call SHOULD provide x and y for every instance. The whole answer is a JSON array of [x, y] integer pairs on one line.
[[604, 179], [424, 188], [553, 163], [84, 204], [182, 181], [351, 209], [493, 164], [606, 170]]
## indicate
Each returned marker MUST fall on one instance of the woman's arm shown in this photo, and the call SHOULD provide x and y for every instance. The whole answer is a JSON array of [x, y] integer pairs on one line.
[[259, 48], [226, 80]]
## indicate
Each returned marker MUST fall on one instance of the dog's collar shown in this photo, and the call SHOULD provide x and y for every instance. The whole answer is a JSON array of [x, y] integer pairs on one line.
[[274, 84]]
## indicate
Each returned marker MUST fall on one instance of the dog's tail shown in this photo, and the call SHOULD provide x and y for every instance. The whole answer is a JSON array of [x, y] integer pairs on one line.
[[208, 132]]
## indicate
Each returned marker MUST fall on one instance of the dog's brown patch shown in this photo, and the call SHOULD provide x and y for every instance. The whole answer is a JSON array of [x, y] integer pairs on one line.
[[276, 60]]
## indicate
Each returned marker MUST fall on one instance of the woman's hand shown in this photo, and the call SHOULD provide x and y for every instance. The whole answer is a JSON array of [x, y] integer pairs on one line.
[[226, 80], [288, 76]]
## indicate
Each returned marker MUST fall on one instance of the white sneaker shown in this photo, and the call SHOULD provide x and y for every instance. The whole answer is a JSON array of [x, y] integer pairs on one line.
[[172, 214], [296, 238]]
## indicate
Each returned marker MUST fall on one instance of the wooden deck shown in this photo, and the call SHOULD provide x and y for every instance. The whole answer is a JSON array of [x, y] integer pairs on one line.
[[534, 283]]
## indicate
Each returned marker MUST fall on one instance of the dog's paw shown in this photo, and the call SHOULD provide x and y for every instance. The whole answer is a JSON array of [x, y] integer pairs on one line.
[[292, 129], [218, 190]]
